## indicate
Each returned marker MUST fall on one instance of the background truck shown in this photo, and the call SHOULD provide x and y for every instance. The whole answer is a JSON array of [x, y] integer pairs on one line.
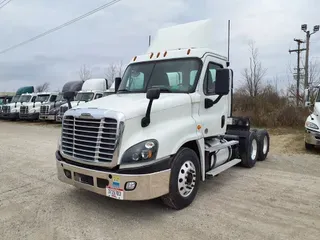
[[159, 136], [31, 110], [50, 111], [5, 98], [312, 124], [90, 90], [10, 111]]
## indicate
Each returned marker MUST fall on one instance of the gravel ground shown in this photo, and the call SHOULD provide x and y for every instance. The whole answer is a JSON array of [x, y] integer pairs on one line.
[[278, 199]]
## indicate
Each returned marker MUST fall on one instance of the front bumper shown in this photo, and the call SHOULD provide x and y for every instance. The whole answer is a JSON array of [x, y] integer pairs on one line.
[[148, 185], [10, 116], [49, 117], [29, 116], [312, 137]]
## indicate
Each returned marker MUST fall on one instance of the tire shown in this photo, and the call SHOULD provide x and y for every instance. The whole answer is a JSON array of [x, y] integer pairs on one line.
[[308, 146], [263, 144], [185, 165], [249, 152]]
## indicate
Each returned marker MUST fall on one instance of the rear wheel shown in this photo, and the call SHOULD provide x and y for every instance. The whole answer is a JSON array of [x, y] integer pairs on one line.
[[249, 152], [184, 179], [263, 144]]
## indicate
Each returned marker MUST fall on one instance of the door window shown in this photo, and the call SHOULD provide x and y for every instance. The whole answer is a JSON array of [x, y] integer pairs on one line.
[[210, 79]]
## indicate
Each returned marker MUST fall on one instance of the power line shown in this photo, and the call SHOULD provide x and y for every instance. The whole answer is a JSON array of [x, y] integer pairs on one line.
[[4, 3], [61, 26]]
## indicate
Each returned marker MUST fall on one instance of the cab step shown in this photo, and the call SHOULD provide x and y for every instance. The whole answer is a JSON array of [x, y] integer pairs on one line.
[[223, 167]]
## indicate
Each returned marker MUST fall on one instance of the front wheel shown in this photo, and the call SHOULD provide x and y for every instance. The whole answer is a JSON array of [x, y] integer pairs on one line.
[[249, 153], [184, 179]]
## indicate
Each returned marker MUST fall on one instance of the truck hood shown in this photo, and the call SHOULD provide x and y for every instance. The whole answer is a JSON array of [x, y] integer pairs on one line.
[[135, 104]]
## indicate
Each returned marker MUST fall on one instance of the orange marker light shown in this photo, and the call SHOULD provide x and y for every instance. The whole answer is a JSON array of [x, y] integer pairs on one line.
[[188, 52], [151, 55], [165, 53], [158, 54], [199, 127], [135, 58]]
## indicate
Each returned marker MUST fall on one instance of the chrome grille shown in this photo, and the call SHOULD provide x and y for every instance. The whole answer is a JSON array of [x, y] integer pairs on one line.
[[24, 110], [44, 110], [89, 139], [6, 109]]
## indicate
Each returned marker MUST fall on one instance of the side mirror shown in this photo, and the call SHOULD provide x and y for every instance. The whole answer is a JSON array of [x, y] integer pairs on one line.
[[117, 83], [222, 84], [69, 97], [153, 93]]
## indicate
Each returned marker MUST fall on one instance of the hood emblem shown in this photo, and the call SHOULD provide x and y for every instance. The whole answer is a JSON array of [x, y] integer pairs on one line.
[[86, 115]]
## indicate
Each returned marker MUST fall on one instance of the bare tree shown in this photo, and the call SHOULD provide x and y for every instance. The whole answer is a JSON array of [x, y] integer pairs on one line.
[[84, 73], [254, 74], [43, 87], [114, 70]]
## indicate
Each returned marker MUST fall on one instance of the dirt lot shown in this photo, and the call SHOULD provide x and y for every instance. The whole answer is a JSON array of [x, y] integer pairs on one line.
[[278, 199]]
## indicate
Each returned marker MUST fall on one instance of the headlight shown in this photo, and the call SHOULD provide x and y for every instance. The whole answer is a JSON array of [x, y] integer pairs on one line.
[[141, 152], [311, 125]]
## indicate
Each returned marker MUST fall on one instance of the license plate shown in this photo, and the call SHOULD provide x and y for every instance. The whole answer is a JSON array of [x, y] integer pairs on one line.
[[115, 193]]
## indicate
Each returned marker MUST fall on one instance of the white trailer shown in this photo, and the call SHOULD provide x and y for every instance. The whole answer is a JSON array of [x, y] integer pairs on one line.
[[168, 126], [312, 124]]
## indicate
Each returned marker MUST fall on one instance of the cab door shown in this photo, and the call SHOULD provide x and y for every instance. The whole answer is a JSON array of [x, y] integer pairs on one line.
[[214, 108]]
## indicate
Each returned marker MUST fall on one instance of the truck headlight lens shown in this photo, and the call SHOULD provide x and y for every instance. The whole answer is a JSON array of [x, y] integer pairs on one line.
[[141, 152], [312, 125]]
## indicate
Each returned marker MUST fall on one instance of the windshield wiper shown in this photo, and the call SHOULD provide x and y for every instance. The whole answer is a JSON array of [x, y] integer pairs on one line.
[[163, 89], [124, 90]]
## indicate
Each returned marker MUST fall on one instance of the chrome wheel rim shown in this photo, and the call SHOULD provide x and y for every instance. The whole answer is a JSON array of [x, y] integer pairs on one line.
[[186, 179], [265, 145], [254, 147]]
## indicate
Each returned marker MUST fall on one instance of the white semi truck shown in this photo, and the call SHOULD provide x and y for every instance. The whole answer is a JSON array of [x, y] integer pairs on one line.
[[158, 136], [90, 90], [12, 110], [31, 110], [312, 124]]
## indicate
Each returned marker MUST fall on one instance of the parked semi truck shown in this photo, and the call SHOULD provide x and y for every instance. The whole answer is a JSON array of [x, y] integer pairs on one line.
[[158, 136], [312, 124], [31, 111], [50, 110], [90, 90], [11, 110]]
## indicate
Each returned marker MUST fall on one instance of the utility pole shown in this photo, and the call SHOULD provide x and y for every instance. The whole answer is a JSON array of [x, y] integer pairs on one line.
[[304, 28], [298, 50]]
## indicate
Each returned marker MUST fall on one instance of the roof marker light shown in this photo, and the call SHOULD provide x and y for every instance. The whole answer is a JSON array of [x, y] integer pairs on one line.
[[165, 53], [158, 54], [189, 50], [135, 58], [151, 55]]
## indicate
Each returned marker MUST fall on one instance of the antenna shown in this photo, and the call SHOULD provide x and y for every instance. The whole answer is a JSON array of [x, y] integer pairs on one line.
[[149, 40], [228, 62]]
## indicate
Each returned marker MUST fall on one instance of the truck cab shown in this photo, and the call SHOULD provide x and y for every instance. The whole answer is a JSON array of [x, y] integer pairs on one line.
[[312, 124], [91, 89], [50, 110], [31, 110], [11, 110], [168, 125]]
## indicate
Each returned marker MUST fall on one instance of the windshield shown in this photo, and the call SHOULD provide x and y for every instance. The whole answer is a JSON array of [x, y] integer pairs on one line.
[[178, 76], [42, 98], [59, 98], [25, 98], [15, 99], [84, 97]]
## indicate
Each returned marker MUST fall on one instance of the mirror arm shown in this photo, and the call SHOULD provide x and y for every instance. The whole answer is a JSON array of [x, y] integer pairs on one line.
[[145, 121]]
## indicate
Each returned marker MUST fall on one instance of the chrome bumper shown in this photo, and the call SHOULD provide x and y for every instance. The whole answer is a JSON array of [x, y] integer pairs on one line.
[[50, 117], [148, 186], [312, 137]]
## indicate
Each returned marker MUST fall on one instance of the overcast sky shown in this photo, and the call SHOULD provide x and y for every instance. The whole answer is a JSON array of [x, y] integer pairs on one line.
[[121, 31]]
